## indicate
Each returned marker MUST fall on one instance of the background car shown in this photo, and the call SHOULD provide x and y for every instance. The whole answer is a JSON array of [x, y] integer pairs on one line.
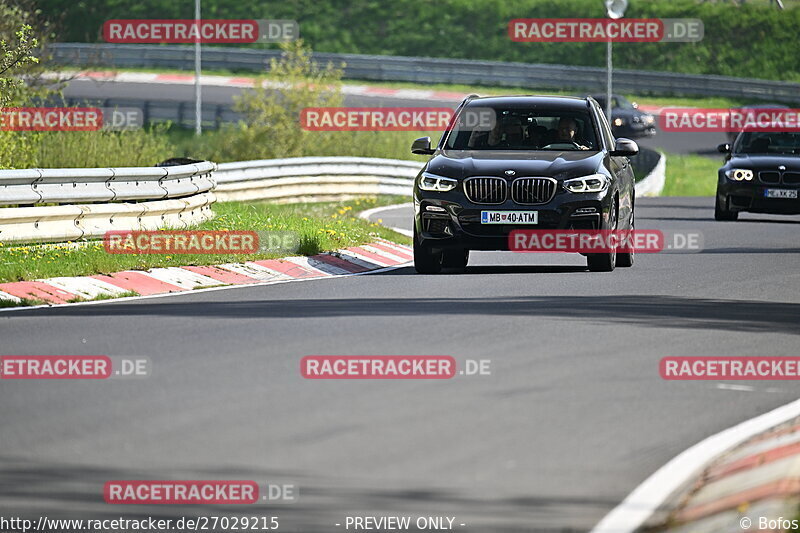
[[626, 118], [761, 174], [732, 134]]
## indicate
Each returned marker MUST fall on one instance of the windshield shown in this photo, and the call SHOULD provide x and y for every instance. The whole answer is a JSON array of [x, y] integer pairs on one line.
[[767, 143], [617, 102], [621, 103], [526, 129]]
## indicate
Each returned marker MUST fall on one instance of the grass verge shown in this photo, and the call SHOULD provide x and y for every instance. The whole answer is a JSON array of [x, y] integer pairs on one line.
[[321, 226], [690, 175]]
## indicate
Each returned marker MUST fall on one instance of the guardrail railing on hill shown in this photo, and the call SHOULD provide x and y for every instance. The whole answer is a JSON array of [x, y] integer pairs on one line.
[[101, 200], [434, 70], [78, 185], [318, 178]]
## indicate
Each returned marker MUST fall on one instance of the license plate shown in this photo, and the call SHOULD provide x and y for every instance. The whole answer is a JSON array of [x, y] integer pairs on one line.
[[509, 217], [780, 193]]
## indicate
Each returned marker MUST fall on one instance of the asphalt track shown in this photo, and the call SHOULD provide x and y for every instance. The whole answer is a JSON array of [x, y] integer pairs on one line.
[[573, 416], [677, 143]]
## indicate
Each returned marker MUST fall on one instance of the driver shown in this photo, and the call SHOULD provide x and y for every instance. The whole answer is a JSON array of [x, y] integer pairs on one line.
[[506, 133], [567, 129]]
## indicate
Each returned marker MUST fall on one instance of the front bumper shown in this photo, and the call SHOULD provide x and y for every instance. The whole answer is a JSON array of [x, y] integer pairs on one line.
[[635, 129], [742, 196], [459, 225]]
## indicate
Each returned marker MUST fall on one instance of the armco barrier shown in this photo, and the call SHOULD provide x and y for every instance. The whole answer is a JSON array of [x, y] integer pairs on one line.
[[102, 199], [433, 70], [181, 196], [79, 185], [85, 221], [317, 178]]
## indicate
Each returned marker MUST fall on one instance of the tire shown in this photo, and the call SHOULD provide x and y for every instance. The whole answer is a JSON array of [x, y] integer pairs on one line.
[[722, 214], [607, 261], [426, 261], [626, 259], [455, 258]]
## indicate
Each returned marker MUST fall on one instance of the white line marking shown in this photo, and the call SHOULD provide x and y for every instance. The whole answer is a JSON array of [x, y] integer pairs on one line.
[[369, 212], [640, 504], [729, 386]]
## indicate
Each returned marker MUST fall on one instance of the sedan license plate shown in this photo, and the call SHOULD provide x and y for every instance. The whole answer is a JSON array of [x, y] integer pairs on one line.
[[780, 193], [509, 217]]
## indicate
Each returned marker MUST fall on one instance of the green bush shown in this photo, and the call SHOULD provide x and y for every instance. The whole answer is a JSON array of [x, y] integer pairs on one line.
[[271, 126], [87, 149]]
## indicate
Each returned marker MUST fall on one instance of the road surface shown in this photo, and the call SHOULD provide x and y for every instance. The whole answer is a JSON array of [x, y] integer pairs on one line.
[[573, 416]]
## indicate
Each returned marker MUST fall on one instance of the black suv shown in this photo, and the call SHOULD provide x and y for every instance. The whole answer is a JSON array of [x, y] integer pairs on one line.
[[542, 162]]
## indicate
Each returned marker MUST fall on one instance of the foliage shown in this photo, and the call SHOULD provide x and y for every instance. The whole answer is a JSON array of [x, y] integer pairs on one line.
[[753, 39]]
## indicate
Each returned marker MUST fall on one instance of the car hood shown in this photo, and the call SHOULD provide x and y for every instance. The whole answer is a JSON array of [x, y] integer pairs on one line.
[[765, 161], [555, 164], [627, 113]]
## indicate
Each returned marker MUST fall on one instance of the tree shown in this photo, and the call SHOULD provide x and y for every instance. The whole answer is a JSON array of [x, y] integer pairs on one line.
[[272, 110]]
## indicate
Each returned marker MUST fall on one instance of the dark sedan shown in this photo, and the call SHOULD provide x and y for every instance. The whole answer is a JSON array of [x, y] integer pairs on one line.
[[627, 120], [761, 175], [545, 163]]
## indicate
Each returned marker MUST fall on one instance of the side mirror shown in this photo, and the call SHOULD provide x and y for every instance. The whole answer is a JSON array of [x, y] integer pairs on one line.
[[635, 105], [422, 146], [625, 147], [724, 148]]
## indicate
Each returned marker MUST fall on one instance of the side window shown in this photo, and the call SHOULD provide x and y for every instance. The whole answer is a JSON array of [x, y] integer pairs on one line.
[[605, 129]]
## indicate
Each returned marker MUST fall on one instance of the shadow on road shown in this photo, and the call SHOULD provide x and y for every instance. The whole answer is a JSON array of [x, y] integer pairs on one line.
[[632, 309]]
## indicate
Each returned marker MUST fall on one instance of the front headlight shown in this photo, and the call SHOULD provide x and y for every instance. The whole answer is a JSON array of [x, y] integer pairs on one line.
[[739, 174], [432, 182], [618, 121], [648, 120], [593, 183]]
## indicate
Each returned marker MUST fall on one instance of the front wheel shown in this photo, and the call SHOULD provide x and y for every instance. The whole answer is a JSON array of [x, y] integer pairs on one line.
[[722, 214], [626, 259], [455, 258], [426, 261], [605, 262]]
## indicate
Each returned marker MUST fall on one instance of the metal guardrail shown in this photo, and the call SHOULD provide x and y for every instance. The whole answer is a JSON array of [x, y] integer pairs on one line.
[[88, 221], [79, 185], [180, 196], [434, 70], [314, 178], [98, 200]]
